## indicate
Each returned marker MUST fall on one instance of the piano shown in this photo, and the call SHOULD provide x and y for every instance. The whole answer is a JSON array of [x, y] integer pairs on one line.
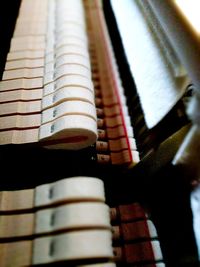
[[103, 90]]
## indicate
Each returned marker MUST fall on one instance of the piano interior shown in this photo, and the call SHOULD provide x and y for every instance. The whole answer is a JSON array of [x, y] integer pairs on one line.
[[96, 89]]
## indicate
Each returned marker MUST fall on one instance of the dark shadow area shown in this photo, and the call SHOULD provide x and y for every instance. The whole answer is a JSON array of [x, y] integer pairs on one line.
[[8, 14]]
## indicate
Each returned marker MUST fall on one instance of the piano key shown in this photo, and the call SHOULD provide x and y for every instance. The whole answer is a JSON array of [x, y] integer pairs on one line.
[[69, 108], [68, 81], [22, 83], [70, 40], [36, 17], [47, 249], [68, 190], [24, 63], [23, 73], [36, 4], [20, 121], [20, 95], [26, 54], [63, 25], [69, 217], [73, 59], [78, 248], [68, 69], [67, 94], [25, 259], [78, 131], [24, 30], [74, 80], [72, 32], [13, 226], [10, 250], [19, 107], [14, 200], [75, 13], [52, 88], [27, 6], [26, 39], [75, 9], [27, 43], [38, 14], [19, 136], [74, 216]]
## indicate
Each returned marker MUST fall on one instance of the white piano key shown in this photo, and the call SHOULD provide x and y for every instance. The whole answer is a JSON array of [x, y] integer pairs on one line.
[[68, 69], [18, 107], [74, 80], [66, 94], [73, 216], [71, 49], [74, 132], [74, 32], [77, 246], [20, 121], [23, 95], [26, 54], [24, 63], [73, 59], [23, 73], [69, 108], [19, 136], [21, 84], [70, 40], [72, 189]]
